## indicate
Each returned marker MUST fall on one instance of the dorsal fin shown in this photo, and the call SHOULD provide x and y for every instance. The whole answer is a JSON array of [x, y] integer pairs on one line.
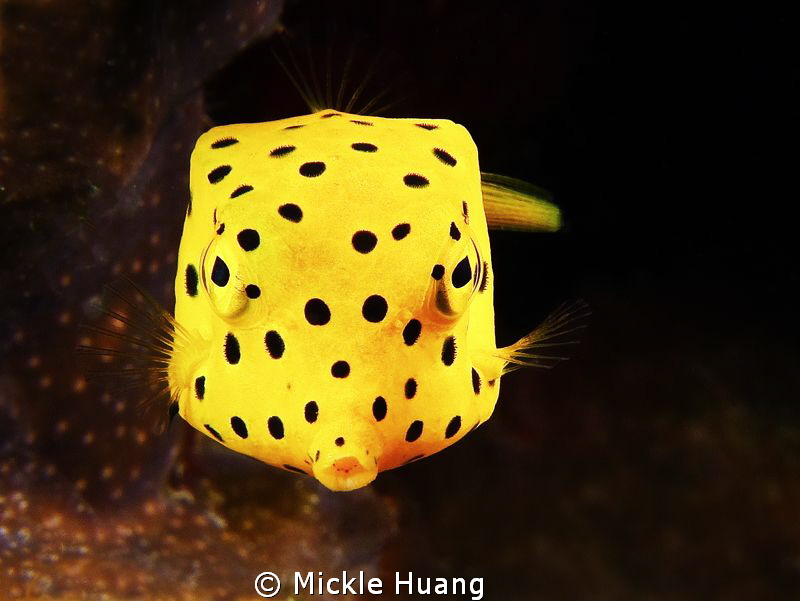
[[512, 204]]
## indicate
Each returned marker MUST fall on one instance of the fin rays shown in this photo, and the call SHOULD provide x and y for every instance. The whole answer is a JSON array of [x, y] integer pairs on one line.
[[565, 321]]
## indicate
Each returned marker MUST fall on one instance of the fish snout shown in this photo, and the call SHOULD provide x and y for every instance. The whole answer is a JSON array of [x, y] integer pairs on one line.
[[345, 463]]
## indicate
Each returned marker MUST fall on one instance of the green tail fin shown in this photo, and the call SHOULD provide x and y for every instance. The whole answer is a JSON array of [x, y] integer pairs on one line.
[[513, 204]]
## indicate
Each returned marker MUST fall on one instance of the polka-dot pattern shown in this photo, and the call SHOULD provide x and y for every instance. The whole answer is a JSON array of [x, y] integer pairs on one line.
[[281, 151], [275, 427], [224, 142], [415, 180], [218, 174], [449, 350], [339, 442], [312, 169], [414, 431], [374, 308], [476, 381], [291, 212], [453, 427], [340, 369], [379, 408], [437, 272], [364, 241], [400, 231], [248, 239], [455, 233], [221, 229], [445, 157], [311, 411], [410, 388], [241, 190], [412, 331], [252, 291], [232, 351], [191, 280], [364, 147], [317, 312], [213, 432], [238, 426], [220, 274], [274, 343], [462, 274], [200, 387]]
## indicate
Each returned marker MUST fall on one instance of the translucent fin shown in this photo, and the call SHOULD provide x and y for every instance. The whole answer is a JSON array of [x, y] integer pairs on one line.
[[512, 204], [129, 347], [348, 85], [558, 331]]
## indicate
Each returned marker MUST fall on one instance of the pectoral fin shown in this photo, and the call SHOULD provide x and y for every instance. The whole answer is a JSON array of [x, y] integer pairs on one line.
[[513, 204]]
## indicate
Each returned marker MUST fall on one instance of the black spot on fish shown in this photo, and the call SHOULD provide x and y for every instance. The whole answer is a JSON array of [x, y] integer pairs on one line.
[[415, 180], [462, 274], [220, 274], [191, 280], [291, 212], [437, 272], [281, 151], [427, 126], [453, 427], [275, 427], [465, 211], [364, 147], [414, 431], [401, 231], [476, 381], [218, 174], [241, 190], [357, 122], [455, 233], [232, 351], [364, 241], [293, 126], [340, 369], [374, 308], [411, 388], [484, 277], [200, 387], [412, 331], [275, 344], [449, 350], [312, 169], [224, 142], [379, 408], [248, 239], [238, 425], [317, 312], [445, 157], [214, 433], [339, 442], [329, 115], [311, 412], [252, 291]]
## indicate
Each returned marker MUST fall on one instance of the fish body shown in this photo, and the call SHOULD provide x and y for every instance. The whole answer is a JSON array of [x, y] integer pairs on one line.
[[334, 293]]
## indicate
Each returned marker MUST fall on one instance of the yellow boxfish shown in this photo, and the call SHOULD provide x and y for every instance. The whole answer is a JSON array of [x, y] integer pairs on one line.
[[334, 311]]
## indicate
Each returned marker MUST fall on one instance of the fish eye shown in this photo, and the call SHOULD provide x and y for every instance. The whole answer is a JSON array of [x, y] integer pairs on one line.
[[227, 280], [455, 278]]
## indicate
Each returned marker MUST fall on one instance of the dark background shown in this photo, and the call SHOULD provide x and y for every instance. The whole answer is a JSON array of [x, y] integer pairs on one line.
[[661, 462]]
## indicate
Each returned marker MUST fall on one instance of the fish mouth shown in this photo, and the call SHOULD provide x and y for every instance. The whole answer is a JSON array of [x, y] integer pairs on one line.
[[346, 473]]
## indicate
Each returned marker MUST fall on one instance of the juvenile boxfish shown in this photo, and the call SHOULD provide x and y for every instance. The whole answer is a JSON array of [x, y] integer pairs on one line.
[[334, 312]]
